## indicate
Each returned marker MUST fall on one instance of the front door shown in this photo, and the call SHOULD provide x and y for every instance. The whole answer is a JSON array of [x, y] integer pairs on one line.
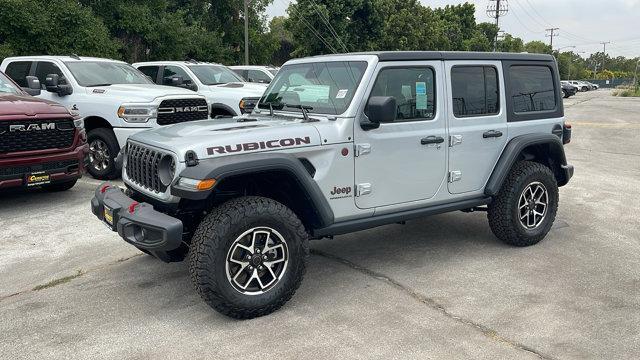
[[477, 122], [403, 160]]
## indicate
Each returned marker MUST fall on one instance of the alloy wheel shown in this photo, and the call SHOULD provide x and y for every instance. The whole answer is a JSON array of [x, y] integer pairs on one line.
[[99, 156], [257, 260], [532, 205]]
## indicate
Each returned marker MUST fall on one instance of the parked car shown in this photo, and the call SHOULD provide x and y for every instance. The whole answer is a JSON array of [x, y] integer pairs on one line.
[[253, 73], [592, 85], [41, 143], [568, 89], [342, 143], [227, 93], [582, 86], [114, 99]]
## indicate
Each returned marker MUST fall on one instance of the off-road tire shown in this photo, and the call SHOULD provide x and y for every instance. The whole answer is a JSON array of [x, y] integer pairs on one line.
[[109, 138], [62, 186], [216, 234], [503, 211]]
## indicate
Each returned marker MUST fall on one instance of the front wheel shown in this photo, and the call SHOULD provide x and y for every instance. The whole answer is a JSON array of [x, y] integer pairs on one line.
[[524, 210], [248, 257], [103, 149]]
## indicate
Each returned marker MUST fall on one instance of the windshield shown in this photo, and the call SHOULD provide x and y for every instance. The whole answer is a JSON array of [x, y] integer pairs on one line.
[[215, 74], [103, 73], [321, 87], [7, 86]]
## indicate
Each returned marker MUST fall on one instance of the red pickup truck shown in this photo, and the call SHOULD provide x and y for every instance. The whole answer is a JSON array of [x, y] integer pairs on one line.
[[41, 143]]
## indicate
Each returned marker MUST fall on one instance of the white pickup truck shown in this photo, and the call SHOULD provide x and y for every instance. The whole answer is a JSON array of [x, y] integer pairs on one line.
[[114, 99], [227, 93]]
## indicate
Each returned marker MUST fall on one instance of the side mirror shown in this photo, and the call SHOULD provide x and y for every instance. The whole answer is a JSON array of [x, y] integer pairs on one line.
[[33, 86], [52, 84], [177, 81], [380, 109], [191, 86]]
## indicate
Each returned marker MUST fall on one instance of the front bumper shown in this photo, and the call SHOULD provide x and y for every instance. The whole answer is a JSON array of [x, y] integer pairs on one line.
[[137, 223], [59, 167]]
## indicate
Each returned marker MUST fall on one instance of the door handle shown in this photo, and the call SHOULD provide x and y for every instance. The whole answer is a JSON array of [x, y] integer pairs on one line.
[[432, 140], [492, 134]]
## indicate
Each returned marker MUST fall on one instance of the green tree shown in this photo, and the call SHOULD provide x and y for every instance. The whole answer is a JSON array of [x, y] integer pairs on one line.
[[55, 27], [537, 47]]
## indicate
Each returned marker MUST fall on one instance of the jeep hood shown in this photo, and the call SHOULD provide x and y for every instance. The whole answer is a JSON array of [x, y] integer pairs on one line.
[[223, 137], [138, 92]]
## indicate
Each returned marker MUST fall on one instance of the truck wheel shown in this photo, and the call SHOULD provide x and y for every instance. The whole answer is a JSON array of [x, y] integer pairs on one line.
[[248, 257], [565, 94], [103, 149], [524, 210], [63, 186]]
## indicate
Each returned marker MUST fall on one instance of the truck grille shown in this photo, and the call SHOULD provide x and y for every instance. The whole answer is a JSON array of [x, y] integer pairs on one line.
[[11, 172], [175, 111], [29, 135], [142, 167]]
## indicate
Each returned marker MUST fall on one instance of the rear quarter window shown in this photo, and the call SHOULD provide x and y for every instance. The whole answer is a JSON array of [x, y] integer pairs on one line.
[[532, 89]]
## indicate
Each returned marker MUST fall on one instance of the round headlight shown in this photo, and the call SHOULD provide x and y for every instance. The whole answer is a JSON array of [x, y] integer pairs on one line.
[[167, 169]]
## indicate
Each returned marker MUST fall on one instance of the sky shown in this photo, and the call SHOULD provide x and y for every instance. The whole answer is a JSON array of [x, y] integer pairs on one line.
[[583, 23]]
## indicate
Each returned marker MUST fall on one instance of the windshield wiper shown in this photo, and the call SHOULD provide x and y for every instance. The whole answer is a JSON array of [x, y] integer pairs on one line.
[[305, 110], [95, 85]]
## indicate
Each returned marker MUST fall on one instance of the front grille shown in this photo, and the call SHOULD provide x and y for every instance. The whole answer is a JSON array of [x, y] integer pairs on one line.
[[11, 172], [175, 111], [27, 135], [142, 167]]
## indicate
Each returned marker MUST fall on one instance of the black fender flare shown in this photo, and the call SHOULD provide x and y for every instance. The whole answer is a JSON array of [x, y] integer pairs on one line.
[[222, 106], [228, 166], [514, 148]]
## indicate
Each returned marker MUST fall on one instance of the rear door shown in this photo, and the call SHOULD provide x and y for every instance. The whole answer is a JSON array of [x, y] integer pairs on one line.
[[18, 71], [477, 122], [399, 162]]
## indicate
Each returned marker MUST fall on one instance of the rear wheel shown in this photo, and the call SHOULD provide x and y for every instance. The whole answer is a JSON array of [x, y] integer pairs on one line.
[[248, 257], [524, 210], [103, 149]]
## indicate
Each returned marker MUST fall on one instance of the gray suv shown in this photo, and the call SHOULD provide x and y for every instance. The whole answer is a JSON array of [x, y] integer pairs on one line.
[[339, 144]]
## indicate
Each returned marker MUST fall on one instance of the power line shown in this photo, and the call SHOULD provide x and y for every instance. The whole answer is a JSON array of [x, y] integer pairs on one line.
[[310, 27], [329, 26]]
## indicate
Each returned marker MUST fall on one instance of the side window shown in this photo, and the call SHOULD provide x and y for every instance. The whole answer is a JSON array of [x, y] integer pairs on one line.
[[258, 76], [18, 72], [241, 73], [414, 91], [173, 71], [44, 68], [150, 71], [532, 88], [474, 90]]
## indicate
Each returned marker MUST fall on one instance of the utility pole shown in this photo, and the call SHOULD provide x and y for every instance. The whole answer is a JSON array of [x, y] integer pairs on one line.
[[551, 35], [496, 9], [604, 52], [246, 32], [635, 76]]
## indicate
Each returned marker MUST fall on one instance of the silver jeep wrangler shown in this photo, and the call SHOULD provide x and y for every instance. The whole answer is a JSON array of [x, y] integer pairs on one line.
[[339, 144]]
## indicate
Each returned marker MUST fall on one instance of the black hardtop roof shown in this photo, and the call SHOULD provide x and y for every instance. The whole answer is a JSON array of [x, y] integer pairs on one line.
[[451, 55]]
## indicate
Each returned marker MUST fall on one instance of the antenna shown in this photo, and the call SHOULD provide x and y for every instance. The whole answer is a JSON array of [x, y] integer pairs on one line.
[[496, 9], [74, 56]]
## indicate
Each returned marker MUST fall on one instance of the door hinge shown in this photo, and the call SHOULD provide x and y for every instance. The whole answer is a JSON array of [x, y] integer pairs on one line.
[[362, 149], [455, 140], [455, 175], [363, 189]]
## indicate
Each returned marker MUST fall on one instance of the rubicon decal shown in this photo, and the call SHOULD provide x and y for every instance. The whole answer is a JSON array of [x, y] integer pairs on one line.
[[259, 145]]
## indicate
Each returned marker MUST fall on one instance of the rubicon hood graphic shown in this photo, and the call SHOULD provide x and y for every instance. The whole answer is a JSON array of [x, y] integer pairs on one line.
[[223, 137]]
